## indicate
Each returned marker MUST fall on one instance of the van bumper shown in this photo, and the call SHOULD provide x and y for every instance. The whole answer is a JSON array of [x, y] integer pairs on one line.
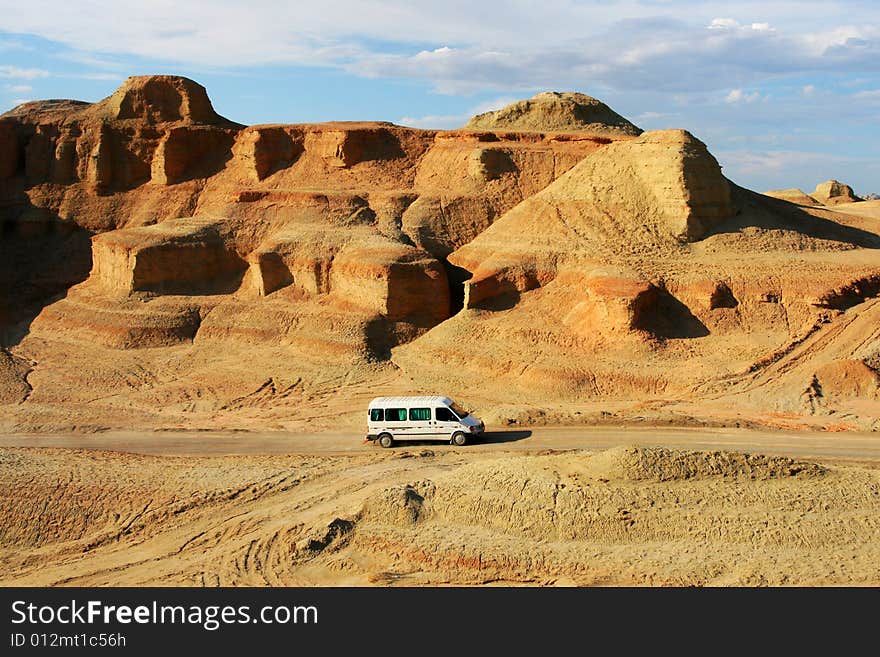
[[371, 436]]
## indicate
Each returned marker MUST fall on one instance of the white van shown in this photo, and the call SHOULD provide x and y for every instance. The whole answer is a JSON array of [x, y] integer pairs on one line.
[[420, 418]]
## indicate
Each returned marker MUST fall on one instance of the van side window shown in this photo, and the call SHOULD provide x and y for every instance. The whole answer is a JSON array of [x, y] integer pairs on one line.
[[377, 415], [420, 414], [444, 415], [395, 415]]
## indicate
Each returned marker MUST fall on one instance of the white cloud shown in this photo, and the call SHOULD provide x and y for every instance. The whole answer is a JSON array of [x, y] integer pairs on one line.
[[626, 45], [731, 24], [808, 90], [18, 88], [841, 41], [723, 24], [16, 72], [739, 96], [437, 52], [658, 55]]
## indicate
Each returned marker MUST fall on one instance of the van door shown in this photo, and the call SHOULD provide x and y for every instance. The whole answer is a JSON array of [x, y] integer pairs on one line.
[[421, 422], [397, 422], [375, 421], [446, 422]]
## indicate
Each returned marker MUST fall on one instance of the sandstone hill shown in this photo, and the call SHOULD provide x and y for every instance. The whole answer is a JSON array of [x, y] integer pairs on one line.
[[830, 193], [164, 267], [793, 195], [833, 192], [553, 110]]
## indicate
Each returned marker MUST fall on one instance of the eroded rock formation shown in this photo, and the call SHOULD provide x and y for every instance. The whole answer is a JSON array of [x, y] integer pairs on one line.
[[830, 193], [164, 266], [833, 192], [793, 195], [556, 111]]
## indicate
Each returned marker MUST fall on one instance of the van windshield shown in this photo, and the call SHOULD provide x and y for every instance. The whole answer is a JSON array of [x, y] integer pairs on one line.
[[459, 411]]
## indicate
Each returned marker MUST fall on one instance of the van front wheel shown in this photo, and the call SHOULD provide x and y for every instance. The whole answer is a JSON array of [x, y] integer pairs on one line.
[[458, 438], [386, 440]]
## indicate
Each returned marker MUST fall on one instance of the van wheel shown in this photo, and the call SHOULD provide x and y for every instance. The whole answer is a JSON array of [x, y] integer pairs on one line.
[[386, 440], [458, 438]]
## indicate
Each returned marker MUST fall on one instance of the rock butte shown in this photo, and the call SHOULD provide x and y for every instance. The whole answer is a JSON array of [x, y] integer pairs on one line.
[[163, 266], [830, 192], [833, 192]]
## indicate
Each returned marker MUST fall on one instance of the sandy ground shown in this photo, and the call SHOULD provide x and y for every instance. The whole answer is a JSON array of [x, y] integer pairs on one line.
[[542, 506], [861, 208]]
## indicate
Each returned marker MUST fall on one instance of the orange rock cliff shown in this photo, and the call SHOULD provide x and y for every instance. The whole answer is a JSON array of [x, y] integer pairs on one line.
[[163, 266]]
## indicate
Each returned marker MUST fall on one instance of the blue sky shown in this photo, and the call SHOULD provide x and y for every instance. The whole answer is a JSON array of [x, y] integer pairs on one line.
[[785, 93]]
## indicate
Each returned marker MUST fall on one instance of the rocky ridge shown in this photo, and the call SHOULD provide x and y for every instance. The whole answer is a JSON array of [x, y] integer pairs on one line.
[[163, 266]]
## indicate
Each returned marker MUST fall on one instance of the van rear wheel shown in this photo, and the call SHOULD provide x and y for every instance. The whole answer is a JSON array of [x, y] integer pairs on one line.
[[386, 440], [459, 438]]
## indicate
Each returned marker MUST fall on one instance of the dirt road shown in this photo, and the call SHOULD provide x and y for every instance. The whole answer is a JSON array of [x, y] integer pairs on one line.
[[836, 446]]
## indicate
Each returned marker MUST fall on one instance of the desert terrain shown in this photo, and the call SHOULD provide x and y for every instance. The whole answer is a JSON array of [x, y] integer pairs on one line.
[[163, 267], [680, 376], [544, 507]]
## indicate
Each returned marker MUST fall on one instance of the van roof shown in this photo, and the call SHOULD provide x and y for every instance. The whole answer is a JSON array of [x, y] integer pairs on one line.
[[408, 401]]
